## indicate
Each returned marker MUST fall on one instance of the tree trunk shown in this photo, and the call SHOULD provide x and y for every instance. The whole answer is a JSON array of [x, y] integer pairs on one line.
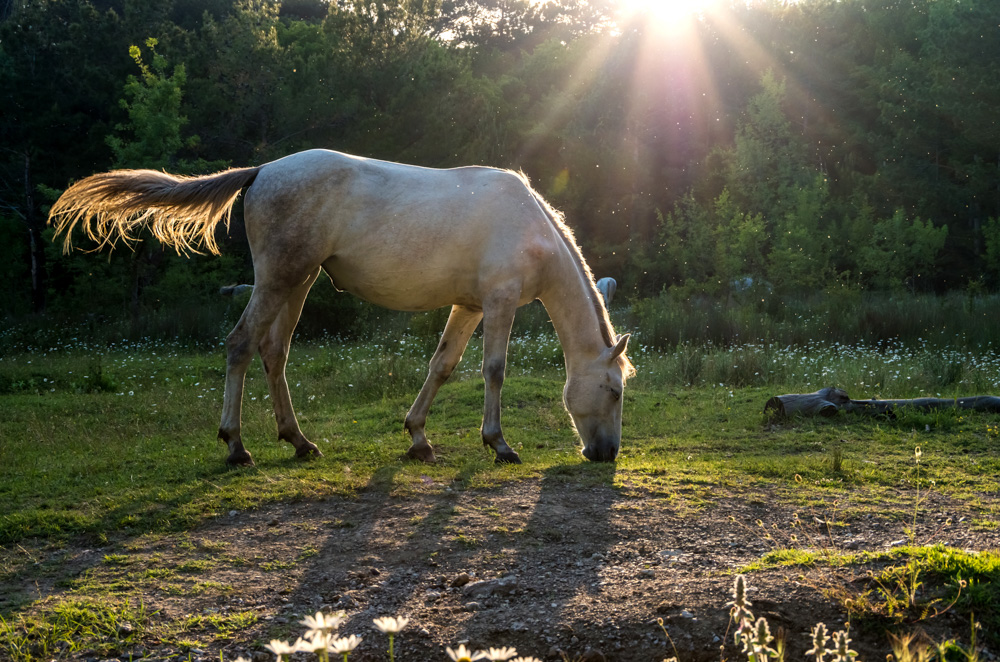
[[36, 243]]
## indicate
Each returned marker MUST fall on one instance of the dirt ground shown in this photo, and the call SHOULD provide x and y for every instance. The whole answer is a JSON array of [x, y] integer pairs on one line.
[[550, 567]]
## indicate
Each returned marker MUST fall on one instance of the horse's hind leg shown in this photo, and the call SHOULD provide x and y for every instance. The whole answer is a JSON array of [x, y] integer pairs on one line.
[[241, 344], [274, 355], [461, 323]]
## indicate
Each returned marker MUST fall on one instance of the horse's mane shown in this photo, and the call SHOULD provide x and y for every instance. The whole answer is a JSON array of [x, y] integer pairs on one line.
[[558, 219]]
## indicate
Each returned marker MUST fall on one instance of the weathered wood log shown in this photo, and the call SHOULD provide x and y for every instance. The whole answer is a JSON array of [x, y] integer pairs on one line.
[[824, 402], [985, 403], [830, 400]]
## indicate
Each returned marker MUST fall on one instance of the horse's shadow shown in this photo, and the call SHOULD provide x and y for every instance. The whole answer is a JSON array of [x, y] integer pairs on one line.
[[478, 559]]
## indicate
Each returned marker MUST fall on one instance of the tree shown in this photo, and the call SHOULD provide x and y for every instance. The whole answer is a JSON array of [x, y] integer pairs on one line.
[[899, 252], [153, 105]]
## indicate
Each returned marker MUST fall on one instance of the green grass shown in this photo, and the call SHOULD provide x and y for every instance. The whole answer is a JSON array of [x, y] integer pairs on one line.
[[103, 625], [909, 583], [142, 457], [118, 442]]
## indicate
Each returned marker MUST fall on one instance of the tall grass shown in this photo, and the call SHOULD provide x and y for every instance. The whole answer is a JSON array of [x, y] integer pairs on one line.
[[953, 320], [663, 323]]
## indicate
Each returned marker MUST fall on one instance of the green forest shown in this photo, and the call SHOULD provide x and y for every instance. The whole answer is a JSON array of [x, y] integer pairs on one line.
[[787, 148]]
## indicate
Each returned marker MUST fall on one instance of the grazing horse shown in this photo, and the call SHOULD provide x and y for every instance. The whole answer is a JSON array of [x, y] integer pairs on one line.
[[607, 287], [404, 237]]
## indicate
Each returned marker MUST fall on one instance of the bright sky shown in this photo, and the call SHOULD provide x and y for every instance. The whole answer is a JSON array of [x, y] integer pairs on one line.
[[664, 10]]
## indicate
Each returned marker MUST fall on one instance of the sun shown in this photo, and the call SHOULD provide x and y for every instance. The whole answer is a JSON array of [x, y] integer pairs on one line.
[[663, 11]]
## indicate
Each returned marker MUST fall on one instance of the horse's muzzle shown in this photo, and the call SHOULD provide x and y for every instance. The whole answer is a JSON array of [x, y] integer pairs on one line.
[[601, 450]]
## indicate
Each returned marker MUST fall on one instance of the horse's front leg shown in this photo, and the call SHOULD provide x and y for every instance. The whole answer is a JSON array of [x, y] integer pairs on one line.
[[498, 316], [461, 323], [274, 354]]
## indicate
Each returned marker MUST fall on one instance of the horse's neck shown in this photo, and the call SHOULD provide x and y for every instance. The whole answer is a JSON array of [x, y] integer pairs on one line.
[[570, 304]]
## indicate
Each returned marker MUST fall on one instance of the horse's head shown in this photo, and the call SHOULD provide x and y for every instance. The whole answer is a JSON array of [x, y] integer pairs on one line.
[[593, 398]]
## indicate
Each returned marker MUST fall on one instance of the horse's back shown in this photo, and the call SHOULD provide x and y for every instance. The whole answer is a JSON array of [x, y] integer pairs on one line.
[[398, 235]]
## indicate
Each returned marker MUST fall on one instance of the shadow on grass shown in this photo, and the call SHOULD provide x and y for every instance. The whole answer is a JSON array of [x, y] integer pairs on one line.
[[460, 554]]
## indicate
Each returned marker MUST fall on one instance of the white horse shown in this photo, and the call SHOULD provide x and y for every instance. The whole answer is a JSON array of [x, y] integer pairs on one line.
[[400, 236], [607, 287]]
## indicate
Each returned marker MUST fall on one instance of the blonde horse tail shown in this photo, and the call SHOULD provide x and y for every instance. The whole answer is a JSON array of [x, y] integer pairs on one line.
[[181, 212]]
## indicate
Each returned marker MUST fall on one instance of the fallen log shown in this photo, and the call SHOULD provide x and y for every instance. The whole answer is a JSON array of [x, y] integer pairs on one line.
[[824, 402], [829, 401]]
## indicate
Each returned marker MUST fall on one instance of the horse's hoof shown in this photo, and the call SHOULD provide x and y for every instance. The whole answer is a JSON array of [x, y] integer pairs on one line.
[[240, 458], [308, 452], [422, 453], [508, 457]]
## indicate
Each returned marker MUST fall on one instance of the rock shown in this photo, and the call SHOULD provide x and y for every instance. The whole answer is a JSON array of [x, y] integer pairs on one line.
[[432, 595], [487, 587], [647, 573], [506, 585], [461, 580], [591, 655], [472, 606]]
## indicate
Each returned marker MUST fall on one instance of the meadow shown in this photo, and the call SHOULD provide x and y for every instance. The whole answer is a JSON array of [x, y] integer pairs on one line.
[[109, 445]]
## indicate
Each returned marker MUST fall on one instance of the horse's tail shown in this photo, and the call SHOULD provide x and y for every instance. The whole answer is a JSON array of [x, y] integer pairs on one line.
[[181, 212]]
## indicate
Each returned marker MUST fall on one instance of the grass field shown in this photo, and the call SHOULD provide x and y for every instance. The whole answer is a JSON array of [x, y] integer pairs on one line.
[[117, 441]]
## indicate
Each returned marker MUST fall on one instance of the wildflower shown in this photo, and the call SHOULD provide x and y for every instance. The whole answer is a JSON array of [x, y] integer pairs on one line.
[[528, 659], [819, 637], [390, 625], [842, 651], [740, 612], [463, 654], [499, 654], [316, 641], [755, 642], [280, 648], [344, 645], [322, 623]]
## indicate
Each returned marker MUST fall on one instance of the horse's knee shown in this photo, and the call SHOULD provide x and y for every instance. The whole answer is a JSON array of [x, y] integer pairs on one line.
[[493, 372], [442, 371], [238, 348]]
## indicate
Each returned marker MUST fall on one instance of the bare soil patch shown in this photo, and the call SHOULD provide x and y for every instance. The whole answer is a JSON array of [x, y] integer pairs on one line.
[[549, 566]]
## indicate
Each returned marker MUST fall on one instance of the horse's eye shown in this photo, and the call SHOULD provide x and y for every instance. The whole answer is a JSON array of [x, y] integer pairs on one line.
[[615, 393]]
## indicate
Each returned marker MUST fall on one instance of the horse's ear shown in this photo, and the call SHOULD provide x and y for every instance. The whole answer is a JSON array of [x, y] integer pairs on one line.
[[620, 346]]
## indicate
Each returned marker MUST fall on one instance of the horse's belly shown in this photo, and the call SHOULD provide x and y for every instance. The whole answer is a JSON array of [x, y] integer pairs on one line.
[[406, 288]]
